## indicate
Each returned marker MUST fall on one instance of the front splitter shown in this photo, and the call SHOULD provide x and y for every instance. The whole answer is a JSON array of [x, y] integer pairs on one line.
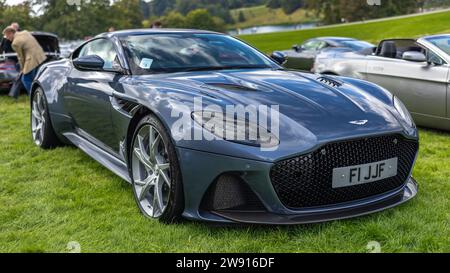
[[408, 192]]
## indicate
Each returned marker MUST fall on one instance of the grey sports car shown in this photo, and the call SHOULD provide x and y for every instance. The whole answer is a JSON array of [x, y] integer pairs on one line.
[[415, 70], [302, 57], [149, 105]]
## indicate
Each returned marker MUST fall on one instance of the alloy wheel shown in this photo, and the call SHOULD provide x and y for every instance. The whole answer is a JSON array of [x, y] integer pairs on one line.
[[151, 171], [38, 118]]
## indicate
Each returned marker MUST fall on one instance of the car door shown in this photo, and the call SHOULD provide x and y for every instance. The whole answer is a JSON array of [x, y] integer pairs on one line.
[[421, 86], [88, 95]]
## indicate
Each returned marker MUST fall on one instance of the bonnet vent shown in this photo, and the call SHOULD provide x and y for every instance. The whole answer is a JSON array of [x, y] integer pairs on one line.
[[329, 82]]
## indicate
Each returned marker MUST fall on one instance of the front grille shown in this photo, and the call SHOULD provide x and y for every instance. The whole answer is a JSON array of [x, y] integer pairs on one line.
[[306, 181]]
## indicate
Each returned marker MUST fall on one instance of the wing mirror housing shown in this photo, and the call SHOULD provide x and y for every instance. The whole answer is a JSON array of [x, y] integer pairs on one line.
[[297, 48], [89, 62], [414, 56], [279, 57], [96, 63]]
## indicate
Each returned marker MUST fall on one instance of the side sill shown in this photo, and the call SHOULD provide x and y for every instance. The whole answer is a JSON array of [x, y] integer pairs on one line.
[[110, 162]]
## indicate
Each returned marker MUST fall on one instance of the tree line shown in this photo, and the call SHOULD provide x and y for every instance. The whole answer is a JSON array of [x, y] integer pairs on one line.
[[337, 11], [96, 16]]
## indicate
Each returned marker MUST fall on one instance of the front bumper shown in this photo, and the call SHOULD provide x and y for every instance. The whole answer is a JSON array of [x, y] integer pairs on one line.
[[201, 169], [373, 205]]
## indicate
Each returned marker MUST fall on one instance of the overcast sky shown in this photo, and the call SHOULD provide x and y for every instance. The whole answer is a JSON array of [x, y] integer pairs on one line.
[[13, 2]]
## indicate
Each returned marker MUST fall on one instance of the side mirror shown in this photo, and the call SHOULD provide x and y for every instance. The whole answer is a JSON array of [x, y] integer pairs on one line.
[[279, 57], [414, 56], [296, 48], [89, 62]]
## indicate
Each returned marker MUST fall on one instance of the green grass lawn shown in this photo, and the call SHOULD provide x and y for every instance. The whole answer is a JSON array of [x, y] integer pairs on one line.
[[50, 198], [262, 15], [371, 31]]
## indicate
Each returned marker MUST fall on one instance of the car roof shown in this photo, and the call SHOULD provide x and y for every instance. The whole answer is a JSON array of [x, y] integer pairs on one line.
[[335, 38], [42, 33], [132, 32]]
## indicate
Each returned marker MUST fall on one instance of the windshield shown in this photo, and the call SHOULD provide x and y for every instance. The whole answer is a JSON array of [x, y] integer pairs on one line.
[[443, 42], [357, 45], [153, 53]]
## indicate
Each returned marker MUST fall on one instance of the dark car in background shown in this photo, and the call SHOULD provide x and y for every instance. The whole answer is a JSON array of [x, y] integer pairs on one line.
[[303, 57], [8, 61]]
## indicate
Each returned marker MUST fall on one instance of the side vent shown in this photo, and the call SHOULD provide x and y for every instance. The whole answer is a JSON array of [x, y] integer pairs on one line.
[[124, 106], [330, 82]]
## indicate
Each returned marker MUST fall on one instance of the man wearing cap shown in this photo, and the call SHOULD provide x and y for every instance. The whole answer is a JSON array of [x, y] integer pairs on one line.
[[29, 52]]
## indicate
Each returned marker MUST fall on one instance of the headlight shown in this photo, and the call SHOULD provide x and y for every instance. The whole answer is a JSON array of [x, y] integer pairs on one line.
[[404, 113], [235, 129]]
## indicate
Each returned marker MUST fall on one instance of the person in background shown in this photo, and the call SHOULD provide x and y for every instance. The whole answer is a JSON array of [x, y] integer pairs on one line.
[[111, 29], [15, 26], [29, 52], [5, 46], [157, 24]]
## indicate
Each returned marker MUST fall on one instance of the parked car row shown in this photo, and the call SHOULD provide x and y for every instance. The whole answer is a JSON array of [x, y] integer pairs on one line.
[[415, 70]]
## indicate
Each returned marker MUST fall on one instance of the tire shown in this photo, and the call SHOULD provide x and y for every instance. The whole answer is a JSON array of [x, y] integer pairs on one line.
[[41, 127], [155, 172]]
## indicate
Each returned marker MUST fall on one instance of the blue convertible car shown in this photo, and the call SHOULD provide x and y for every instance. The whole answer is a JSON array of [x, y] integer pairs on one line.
[[153, 107]]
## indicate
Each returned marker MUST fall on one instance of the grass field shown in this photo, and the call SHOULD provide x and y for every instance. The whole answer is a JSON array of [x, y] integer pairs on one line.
[[51, 198], [262, 15], [371, 31]]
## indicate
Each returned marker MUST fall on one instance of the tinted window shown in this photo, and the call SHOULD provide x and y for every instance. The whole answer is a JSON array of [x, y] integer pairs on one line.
[[356, 45], [153, 53], [311, 45]]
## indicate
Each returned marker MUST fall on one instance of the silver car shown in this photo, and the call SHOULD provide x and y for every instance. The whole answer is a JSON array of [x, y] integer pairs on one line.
[[415, 70]]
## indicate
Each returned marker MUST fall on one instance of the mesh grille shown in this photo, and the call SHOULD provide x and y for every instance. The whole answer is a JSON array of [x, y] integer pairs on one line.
[[230, 192], [306, 181]]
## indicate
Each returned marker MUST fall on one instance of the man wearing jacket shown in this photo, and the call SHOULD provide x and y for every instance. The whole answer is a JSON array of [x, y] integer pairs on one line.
[[29, 52]]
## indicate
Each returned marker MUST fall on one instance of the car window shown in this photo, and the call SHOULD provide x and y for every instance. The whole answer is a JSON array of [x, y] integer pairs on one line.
[[434, 58], [322, 45], [395, 48], [357, 45], [103, 48], [311, 45], [175, 52], [442, 42]]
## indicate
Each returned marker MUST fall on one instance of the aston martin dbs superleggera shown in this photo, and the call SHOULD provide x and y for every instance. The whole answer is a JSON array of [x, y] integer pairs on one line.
[[341, 147]]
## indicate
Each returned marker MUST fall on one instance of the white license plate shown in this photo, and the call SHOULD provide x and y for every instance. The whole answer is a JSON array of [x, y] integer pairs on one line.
[[366, 173]]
